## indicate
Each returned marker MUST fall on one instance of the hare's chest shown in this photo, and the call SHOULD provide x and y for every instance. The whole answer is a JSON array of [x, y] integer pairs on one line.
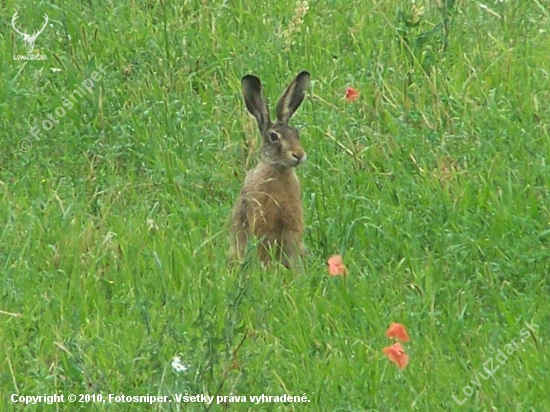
[[277, 205]]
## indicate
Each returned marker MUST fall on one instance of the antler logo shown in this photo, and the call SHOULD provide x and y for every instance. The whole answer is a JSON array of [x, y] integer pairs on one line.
[[29, 39]]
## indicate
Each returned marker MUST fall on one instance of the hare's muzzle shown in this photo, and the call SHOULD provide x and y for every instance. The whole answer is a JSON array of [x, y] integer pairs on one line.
[[299, 157]]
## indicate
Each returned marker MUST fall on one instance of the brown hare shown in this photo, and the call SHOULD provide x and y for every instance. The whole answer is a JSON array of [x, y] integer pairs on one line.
[[269, 206]]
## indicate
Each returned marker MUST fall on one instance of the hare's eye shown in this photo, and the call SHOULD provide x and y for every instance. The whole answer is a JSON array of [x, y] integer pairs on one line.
[[273, 136]]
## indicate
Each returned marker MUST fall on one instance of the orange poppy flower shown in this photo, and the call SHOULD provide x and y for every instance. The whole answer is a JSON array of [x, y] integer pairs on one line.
[[352, 94], [396, 354], [397, 331], [336, 266]]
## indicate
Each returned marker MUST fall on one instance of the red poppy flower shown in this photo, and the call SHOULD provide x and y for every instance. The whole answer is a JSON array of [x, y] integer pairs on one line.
[[396, 354], [336, 266], [397, 331], [352, 94]]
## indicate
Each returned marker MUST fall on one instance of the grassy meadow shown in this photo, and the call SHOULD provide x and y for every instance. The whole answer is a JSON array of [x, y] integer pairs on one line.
[[434, 186]]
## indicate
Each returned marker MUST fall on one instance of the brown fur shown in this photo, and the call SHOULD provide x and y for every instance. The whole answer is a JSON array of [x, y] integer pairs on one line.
[[269, 206]]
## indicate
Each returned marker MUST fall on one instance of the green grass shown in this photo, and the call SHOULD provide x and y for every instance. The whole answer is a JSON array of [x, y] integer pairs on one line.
[[434, 186]]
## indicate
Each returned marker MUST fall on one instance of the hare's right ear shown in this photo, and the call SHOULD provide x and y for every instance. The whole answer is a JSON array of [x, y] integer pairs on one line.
[[292, 98], [255, 101]]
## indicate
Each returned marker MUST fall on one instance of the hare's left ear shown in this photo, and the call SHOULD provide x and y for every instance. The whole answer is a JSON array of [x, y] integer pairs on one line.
[[255, 101], [292, 98]]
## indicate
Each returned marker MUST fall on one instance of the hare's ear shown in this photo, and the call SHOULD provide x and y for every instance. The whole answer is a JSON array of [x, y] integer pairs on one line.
[[293, 97], [255, 101]]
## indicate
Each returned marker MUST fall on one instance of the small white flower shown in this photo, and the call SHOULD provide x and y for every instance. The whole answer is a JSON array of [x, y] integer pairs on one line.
[[55, 70], [151, 224], [177, 365], [109, 237]]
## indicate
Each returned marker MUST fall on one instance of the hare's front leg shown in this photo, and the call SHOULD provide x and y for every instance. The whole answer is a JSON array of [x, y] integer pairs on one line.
[[293, 251]]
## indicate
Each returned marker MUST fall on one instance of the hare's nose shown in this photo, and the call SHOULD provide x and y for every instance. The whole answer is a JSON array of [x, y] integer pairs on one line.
[[299, 156]]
